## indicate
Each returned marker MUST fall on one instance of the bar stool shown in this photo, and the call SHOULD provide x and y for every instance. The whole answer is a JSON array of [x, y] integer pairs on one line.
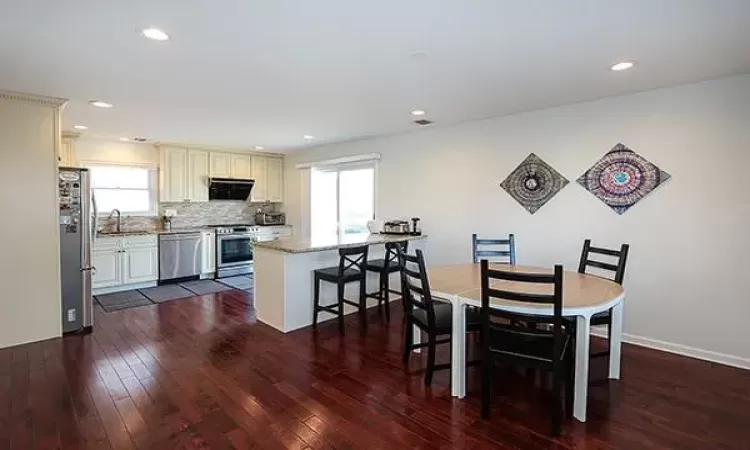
[[351, 268], [385, 267]]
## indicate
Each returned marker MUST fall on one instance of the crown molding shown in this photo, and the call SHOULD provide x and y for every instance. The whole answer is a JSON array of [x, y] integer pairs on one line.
[[215, 148], [33, 98]]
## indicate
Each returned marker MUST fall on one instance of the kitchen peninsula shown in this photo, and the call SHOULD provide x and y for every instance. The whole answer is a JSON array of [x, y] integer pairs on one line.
[[284, 275]]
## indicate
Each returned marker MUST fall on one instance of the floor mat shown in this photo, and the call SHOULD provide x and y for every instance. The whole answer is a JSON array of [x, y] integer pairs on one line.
[[122, 300], [202, 287], [243, 282], [161, 294]]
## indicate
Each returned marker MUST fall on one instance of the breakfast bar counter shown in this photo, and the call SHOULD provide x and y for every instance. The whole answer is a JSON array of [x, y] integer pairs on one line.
[[283, 280]]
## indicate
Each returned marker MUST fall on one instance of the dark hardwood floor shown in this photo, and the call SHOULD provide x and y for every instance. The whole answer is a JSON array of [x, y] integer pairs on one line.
[[200, 373]]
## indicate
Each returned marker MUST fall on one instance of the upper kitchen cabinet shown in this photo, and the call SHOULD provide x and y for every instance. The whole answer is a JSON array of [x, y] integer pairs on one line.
[[242, 166], [67, 150], [220, 166], [183, 175], [268, 173], [198, 175], [275, 180]]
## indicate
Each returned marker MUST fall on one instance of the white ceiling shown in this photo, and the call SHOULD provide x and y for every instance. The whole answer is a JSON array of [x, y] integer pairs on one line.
[[265, 72]]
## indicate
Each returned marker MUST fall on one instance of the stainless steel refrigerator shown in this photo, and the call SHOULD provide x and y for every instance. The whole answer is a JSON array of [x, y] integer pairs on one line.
[[77, 232]]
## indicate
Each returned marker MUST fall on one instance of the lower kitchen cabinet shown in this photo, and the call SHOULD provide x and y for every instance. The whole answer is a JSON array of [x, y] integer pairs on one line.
[[108, 268], [140, 265], [125, 262], [208, 243]]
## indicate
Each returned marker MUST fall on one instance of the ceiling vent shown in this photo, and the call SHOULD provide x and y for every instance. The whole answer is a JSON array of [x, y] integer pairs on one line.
[[422, 122], [140, 139]]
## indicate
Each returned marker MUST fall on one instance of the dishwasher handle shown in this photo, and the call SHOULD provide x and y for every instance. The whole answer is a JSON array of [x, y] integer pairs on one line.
[[179, 236]]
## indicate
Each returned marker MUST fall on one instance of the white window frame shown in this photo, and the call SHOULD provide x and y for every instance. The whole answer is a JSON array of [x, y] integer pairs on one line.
[[153, 187], [343, 166]]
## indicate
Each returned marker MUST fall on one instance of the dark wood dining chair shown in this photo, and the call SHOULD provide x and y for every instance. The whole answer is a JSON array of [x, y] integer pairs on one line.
[[433, 317], [488, 249], [385, 267], [543, 348], [617, 272], [351, 268]]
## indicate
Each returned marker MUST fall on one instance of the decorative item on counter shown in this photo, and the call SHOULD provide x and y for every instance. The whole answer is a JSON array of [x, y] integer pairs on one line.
[[415, 229], [167, 218], [375, 226], [621, 178], [533, 183]]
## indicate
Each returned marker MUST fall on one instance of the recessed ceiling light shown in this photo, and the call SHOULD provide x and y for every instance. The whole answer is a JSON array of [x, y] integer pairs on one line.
[[259, 147], [625, 65], [124, 139], [308, 137], [80, 127], [155, 34], [418, 112], [100, 104]]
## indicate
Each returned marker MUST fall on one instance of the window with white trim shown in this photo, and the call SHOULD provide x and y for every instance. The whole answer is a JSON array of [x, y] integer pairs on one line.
[[342, 199], [129, 188]]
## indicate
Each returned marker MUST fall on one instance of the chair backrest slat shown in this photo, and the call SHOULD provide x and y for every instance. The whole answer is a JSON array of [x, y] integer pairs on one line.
[[508, 255], [618, 268], [391, 252], [416, 285], [491, 279], [353, 258]]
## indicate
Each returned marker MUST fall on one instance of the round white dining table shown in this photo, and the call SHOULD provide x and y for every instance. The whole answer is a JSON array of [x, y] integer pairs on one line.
[[583, 296]]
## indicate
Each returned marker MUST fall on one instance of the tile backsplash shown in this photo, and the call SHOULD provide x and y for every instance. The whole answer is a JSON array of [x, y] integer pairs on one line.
[[192, 214]]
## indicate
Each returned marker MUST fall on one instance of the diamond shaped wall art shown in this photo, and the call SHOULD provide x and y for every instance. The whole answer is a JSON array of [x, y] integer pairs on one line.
[[533, 183], [621, 178]]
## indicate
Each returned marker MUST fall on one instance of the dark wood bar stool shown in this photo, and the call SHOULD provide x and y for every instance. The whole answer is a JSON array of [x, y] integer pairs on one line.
[[433, 317], [351, 268], [385, 267]]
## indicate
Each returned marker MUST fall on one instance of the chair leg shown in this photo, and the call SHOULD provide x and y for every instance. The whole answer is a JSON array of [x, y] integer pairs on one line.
[[340, 292], [316, 309], [408, 339], [486, 379], [385, 289], [430, 359], [556, 419], [570, 384], [363, 301]]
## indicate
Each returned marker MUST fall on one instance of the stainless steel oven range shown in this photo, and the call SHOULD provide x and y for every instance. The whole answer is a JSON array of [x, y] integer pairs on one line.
[[234, 249]]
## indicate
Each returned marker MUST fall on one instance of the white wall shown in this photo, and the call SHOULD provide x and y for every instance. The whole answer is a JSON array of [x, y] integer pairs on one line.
[[30, 262], [687, 277], [101, 150]]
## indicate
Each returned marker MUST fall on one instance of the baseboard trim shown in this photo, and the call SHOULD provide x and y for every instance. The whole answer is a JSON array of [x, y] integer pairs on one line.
[[683, 350]]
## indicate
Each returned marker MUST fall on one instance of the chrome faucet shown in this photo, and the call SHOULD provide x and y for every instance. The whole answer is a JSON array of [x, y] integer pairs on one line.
[[118, 217]]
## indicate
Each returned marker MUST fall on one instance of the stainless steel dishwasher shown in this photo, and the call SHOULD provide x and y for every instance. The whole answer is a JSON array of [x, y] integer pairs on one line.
[[180, 256]]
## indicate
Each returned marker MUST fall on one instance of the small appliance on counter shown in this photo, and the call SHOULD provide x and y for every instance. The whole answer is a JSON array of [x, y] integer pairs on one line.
[[396, 227], [270, 218]]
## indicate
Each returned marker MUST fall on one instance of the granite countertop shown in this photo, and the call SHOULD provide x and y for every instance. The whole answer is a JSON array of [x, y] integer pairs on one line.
[[332, 242], [172, 231]]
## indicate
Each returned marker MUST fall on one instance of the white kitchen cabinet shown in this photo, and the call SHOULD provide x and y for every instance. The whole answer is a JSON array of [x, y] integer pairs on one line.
[[197, 175], [174, 174], [208, 243], [124, 262], [141, 264], [183, 175], [67, 151], [268, 173], [275, 180], [108, 271], [220, 165], [242, 166], [258, 194]]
